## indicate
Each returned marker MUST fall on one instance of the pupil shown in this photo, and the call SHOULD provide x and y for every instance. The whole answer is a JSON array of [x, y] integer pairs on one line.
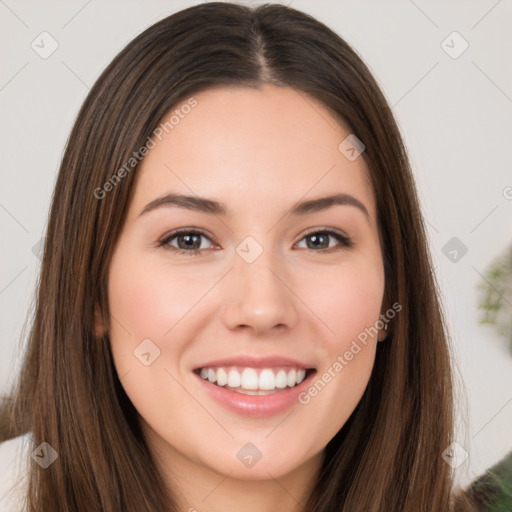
[[189, 241], [315, 239]]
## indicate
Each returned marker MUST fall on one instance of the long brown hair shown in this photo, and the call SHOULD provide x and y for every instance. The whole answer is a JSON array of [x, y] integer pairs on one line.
[[387, 457]]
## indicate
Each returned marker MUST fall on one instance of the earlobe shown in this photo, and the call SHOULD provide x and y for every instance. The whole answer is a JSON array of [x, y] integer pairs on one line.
[[383, 334], [385, 331], [99, 327], [385, 323]]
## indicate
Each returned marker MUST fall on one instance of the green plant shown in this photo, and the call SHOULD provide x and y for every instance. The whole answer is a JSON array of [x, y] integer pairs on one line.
[[496, 296], [492, 492]]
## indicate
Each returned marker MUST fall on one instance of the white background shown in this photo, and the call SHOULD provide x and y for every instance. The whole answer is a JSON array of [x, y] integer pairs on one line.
[[455, 115]]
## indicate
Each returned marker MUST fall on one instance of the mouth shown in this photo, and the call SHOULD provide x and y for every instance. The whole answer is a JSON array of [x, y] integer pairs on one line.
[[255, 381], [255, 388]]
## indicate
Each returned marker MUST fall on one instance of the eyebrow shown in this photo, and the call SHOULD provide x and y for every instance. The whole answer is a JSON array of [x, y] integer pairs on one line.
[[212, 207]]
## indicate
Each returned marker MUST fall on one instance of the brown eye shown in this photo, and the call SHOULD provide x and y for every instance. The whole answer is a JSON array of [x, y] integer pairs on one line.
[[187, 242], [320, 240]]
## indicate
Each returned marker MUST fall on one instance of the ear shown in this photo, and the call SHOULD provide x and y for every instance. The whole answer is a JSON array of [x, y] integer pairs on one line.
[[383, 333], [386, 305], [99, 326]]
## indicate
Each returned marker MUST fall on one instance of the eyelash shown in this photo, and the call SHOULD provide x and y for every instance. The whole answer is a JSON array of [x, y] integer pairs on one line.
[[345, 241]]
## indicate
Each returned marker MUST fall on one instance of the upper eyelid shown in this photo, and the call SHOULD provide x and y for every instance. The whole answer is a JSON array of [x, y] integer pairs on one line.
[[323, 230], [182, 231]]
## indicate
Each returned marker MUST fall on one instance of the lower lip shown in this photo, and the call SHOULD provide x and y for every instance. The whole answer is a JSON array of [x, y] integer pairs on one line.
[[256, 406]]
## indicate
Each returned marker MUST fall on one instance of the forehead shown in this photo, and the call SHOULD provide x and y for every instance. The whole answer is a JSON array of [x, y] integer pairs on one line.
[[251, 148]]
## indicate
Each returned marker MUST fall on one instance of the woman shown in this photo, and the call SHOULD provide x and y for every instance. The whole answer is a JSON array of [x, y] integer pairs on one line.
[[236, 306]]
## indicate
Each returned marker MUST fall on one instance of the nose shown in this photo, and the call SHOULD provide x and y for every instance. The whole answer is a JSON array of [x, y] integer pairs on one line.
[[259, 296]]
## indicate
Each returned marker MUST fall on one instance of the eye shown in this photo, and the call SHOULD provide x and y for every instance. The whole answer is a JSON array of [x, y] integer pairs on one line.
[[188, 241], [320, 240]]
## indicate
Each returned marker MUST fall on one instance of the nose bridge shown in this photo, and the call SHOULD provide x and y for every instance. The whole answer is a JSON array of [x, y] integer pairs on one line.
[[259, 297]]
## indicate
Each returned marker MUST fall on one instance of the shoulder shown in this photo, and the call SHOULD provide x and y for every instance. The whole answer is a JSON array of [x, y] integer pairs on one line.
[[14, 464]]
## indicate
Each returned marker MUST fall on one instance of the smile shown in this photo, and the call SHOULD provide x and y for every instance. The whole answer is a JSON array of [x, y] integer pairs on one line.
[[254, 381], [254, 387]]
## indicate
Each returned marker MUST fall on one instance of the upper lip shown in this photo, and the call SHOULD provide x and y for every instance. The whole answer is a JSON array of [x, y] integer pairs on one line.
[[255, 362]]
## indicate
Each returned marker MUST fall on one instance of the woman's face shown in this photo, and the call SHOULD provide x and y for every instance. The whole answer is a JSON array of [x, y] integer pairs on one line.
[[268, 284]]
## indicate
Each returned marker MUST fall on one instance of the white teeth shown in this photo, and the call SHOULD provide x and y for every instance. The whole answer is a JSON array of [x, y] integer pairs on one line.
[[222, 377], [281, 380], [248, 379], [234, 379], [292, 378], [266, 380]]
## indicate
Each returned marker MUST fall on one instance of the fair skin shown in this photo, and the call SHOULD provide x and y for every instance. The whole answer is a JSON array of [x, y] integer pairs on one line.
[[258, 151]]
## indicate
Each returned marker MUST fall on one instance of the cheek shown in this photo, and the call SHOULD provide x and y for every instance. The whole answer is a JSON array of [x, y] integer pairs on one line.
[[147, 300], [347, 300]]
